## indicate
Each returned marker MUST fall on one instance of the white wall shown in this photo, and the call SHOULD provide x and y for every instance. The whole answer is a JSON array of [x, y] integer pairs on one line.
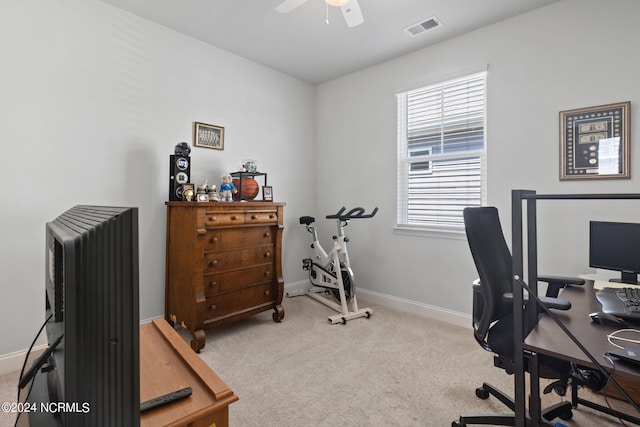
[[93, 101], [571, 54]]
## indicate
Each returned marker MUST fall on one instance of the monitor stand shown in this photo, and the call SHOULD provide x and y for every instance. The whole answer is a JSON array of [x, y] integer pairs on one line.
[[628, 277]]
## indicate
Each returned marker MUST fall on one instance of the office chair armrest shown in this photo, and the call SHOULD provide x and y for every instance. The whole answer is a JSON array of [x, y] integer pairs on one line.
[[557, 303], [558, 282], [561, 279]]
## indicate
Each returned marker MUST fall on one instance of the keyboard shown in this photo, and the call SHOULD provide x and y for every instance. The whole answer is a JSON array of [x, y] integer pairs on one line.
[[621, 302]]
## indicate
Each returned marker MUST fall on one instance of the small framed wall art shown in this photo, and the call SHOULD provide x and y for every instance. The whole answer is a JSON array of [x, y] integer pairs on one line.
[[594, 142], [208, 136]]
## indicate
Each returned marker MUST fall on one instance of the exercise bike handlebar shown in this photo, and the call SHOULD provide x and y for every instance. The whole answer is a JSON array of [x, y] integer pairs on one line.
[[355, 213]]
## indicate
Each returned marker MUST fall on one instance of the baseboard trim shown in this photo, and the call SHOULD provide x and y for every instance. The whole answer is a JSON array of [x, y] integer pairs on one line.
[[402, 304], [414, 307], [296, 286], [12, 362]]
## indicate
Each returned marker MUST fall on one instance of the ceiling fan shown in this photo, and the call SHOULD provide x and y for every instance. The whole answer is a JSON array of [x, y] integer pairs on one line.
[[350, 9]]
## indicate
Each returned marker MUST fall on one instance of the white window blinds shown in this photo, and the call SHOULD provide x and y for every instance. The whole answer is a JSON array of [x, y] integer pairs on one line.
[[441, 152]]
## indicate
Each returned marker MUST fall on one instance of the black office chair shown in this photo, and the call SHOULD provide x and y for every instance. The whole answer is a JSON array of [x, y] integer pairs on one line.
[[493, 315]]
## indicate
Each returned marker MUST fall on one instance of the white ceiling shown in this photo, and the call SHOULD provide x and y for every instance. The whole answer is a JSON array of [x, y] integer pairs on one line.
[[302, 45]]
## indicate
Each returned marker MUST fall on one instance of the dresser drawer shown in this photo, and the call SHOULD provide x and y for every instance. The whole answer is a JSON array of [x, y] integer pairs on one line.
[[231, 302], [262, 216], [225, 238], [215, 262], [219, 218], [225, 282]]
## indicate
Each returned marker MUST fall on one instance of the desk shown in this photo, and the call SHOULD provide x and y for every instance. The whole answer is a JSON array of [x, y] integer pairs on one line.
[[519, 229], [548, 338], [167, 363]]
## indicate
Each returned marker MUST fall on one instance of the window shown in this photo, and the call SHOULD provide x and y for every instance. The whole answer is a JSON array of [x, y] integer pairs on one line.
[[441, 153]]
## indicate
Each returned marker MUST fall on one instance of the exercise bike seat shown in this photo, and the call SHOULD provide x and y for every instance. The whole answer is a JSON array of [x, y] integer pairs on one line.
[[307, 220]]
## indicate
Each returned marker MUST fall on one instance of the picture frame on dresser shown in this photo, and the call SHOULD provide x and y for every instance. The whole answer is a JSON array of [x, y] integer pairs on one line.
[[594, 142], [208, 136], [267, 193]]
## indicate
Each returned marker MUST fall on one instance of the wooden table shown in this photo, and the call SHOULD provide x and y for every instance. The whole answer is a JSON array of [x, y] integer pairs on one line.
[[167, 363]]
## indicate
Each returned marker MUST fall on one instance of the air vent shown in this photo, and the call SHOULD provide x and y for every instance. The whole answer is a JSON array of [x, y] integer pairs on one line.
[[422, 27]]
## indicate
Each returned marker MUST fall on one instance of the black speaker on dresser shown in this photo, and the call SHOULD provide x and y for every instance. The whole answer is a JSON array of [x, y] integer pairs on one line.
[[179, 174]]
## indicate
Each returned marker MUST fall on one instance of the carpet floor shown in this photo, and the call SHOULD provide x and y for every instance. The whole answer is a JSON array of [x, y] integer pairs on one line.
[[394, 369]]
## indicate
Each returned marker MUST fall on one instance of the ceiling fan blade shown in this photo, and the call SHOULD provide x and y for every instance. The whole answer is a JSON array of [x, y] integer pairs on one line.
[[288, 5], [352, 13]]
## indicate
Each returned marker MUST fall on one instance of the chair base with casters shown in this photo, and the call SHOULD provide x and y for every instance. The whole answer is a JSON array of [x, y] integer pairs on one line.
[[562, 410]]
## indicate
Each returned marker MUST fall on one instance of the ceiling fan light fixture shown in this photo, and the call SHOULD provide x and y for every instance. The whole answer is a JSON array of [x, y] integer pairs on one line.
[[336, 2]]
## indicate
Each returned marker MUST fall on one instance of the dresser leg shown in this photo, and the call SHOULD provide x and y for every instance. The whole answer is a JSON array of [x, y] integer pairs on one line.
[[198, 341], [278, 313]]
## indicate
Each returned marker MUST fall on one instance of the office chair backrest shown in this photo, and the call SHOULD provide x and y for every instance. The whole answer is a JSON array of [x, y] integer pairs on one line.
[[493, 262]]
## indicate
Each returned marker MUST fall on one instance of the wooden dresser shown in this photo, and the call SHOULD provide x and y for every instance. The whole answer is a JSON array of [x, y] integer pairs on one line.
[[224, 263]]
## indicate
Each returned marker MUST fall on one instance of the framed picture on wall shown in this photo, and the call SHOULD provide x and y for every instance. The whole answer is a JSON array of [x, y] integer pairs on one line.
[[208, 136], [594, 142]]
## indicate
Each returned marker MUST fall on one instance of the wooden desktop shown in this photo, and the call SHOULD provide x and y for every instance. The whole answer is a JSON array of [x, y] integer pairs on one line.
[[167, 363], [548, 338]]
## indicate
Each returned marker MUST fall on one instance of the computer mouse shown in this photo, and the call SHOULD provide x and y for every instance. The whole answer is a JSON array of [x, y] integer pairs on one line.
[[607, 319]]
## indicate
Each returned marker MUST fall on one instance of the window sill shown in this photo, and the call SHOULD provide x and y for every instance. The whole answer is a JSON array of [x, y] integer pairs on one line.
[[456, 233]]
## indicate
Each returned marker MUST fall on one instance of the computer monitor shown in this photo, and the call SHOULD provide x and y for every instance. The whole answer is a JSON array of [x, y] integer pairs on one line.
[[90, 373], [615, 246]]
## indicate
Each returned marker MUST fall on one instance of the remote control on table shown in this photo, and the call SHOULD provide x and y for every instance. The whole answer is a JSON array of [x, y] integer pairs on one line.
[[167, 398]]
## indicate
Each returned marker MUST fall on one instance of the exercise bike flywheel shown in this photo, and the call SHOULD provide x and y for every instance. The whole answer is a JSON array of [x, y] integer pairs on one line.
[[347, 282]]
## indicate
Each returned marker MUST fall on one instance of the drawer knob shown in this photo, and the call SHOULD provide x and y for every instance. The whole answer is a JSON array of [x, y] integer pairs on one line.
[[213, 307], [214, 262], [233, 218], [267, 292], [267, 234], [267, 273], [267, 254], [254, 216], [213, 240], [212, 218], [272, 216], [213, 284]]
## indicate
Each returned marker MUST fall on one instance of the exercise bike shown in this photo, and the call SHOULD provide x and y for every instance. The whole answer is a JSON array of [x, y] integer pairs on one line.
[[330, 273]]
